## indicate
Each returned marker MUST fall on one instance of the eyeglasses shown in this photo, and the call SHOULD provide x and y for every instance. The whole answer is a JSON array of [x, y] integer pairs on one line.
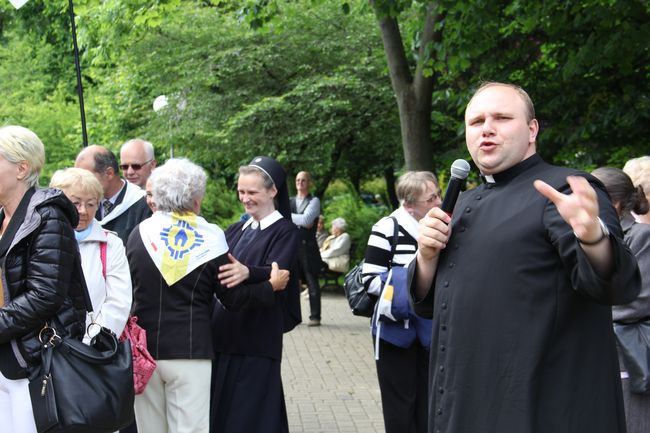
[[135, 167], [432, 199], [89, 205]]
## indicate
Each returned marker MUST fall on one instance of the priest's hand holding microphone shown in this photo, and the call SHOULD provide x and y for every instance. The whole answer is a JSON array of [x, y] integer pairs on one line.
[[435, 230]]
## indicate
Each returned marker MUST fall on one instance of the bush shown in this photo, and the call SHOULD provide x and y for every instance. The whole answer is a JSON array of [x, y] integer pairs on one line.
[[221, 204], [359, 217]]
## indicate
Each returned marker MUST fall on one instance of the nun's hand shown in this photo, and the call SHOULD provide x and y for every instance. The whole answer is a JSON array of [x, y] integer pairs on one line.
[[279, 277], [233, 274]]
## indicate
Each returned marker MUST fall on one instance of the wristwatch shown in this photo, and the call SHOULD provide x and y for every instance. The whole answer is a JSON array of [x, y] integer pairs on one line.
[[604, 230]]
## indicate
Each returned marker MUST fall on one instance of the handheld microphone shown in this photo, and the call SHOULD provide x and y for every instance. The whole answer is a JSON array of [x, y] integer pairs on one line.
[[459, 171]]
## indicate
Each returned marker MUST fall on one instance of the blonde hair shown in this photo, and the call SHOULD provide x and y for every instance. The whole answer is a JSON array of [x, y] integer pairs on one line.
[[70, 178], [639, 171], [412, 184], [19, 144]]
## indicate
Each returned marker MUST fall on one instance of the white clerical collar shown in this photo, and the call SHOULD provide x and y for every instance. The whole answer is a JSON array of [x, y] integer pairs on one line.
[[489, 178], [264, 222]]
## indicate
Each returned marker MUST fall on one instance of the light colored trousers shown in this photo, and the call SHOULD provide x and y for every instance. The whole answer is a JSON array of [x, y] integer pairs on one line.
[[177, 398], [16, 414]]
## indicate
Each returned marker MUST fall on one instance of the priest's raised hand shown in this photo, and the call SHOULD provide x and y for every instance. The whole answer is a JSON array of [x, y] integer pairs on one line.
[[580, 210]]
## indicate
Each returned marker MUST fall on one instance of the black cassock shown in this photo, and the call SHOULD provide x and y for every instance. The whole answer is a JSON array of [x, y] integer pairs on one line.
[[247, 393], [522, 330]]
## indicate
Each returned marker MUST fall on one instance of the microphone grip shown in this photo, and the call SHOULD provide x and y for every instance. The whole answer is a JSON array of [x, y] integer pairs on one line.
[[451, 195]]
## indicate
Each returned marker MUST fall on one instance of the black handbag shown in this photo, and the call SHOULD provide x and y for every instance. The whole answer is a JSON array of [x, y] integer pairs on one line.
[[81, 388], [360, 302], [634, 345]]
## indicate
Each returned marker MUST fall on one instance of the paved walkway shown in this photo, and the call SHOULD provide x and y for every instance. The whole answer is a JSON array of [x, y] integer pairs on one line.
[[328, 372]]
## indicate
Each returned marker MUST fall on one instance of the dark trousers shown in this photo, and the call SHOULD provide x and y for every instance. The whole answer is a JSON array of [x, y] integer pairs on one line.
[[311, 279], [130, 429], [403, 382]]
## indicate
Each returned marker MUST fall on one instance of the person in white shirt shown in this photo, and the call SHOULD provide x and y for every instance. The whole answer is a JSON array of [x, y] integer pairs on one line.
[[335, 251], [108, 278]]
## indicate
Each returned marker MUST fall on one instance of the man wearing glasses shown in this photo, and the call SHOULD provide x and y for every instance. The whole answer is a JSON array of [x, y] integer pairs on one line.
[[124, 204], [137, 161]]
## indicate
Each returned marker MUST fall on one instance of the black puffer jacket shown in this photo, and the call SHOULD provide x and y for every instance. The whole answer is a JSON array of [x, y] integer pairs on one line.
[[41, 275]]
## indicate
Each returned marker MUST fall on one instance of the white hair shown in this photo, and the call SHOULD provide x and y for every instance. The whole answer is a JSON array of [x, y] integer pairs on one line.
[[340, 223], [176, 184], [146, 146]]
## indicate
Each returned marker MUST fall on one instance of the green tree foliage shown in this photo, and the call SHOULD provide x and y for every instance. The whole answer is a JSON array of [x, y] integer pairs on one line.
[[358, 216], [584, 63], [309, 81], [314, 99]]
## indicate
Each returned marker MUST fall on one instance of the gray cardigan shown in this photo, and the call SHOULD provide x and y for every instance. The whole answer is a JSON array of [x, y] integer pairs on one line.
[[637, 238]]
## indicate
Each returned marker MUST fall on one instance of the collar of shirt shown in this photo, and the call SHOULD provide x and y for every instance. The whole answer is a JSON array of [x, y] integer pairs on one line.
[[264, 222], [114, 198], [406, 220], [513, 171]]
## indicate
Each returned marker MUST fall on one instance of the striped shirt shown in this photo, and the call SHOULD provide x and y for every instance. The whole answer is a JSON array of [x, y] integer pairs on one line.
[[378, 252]]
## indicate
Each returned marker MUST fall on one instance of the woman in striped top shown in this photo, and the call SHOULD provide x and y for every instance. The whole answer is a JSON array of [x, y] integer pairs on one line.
[[403, 362]]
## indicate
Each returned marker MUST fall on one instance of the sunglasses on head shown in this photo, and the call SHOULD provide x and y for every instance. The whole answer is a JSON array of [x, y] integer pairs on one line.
[[136, 167]]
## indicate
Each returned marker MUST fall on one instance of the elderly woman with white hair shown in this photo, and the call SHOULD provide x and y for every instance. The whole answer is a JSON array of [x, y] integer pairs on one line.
[[174, 258], [335, 251], [40, 276]]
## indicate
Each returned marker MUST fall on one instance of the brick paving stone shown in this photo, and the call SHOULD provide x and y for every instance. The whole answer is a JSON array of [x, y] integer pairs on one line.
[[329, 375]]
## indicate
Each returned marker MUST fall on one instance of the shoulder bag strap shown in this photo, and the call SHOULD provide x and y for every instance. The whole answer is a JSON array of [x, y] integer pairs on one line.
[[393, 242], [102, 255]]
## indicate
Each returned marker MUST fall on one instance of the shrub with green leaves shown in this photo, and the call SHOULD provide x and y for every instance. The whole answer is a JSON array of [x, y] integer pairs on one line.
[[359, 217]]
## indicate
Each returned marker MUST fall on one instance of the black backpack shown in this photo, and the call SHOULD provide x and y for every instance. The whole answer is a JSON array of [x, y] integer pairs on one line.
[[361, 303]]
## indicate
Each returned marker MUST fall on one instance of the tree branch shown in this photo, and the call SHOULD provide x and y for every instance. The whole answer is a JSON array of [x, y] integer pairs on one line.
[[400, 74], [424, 85]]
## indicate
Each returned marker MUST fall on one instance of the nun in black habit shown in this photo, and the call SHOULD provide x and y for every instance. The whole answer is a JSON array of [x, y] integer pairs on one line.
[[247, 394]]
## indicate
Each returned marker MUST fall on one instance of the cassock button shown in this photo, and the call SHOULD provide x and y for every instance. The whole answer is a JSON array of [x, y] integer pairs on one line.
[[462, 229], [442, 348], [439, 413], [452, 264], [468, 210], [478, 197], [444, 305], [443, 327], [441, 391], [446, 284], [442, 368]]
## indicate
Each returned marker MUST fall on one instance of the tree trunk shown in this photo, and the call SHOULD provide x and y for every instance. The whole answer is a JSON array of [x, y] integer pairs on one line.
[[412, 91], [415, 126], [389, 177]]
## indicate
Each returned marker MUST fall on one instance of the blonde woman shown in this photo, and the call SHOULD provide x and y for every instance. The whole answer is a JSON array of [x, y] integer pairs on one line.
[[40, 277], [108, 280]]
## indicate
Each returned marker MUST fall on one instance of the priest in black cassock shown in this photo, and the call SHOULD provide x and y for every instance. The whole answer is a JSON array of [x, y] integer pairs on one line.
[[519, 283]]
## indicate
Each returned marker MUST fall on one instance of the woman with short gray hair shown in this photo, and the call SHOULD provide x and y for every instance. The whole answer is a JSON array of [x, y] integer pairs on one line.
[[403, 346], [174, 258], [178, 185]]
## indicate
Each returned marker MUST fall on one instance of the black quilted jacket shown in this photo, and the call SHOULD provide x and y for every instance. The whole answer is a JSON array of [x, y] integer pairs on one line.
[[42, 277]]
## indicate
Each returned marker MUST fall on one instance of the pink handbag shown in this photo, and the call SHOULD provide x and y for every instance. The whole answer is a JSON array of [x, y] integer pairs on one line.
[[143, 362]]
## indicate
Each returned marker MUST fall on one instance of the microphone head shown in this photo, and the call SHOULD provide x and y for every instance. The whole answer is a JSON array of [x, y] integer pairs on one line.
[[460, 169]]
